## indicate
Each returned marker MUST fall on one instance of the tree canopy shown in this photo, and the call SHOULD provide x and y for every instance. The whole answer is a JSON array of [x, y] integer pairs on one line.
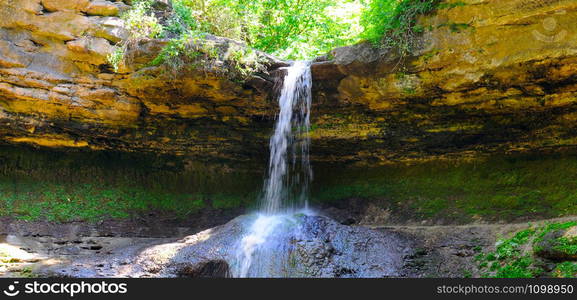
[[289, 29]]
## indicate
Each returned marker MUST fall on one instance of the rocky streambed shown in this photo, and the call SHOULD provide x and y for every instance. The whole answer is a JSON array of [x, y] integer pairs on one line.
[[316, 247], [324, 249]]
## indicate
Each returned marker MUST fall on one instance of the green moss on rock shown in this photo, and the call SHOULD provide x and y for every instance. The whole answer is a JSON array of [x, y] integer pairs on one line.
[[539, 251]]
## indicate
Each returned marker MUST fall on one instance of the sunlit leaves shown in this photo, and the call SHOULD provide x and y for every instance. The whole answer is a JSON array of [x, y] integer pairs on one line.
[[291, 29]]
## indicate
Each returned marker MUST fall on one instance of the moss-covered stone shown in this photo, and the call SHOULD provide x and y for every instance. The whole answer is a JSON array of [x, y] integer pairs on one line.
[[542, 250], [558, 245]]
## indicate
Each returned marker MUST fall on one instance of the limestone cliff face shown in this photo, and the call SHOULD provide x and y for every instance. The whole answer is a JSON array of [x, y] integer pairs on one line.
[[490, 75], [57, 88]]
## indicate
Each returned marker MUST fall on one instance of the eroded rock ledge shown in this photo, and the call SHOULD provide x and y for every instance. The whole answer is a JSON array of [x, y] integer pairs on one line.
[[490, 76], [57, 88]]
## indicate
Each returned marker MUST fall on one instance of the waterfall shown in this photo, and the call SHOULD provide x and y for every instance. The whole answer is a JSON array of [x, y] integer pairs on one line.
[[262, 250], [287, 185]]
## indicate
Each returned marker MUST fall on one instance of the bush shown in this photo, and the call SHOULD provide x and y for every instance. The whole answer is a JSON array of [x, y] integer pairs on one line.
[[182, 20], [289, 29], [141, 22], [393, 23]]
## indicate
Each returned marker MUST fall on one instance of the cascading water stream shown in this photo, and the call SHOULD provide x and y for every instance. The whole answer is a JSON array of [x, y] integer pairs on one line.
[[287, 185], [262, 251]]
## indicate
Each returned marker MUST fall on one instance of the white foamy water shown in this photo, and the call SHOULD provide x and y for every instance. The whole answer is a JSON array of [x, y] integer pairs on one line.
[[286, 187], [253, 243], [263, 250]]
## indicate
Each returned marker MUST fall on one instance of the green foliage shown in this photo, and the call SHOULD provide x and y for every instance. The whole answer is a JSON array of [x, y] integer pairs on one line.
[[510, 247], [553, 227], [62, 203], [391, 23], [186, 29], [513, 257], [244, 60], [182, 20], [102, 185], [177, 50], [522, 267], [141, 22], [290, 29], [494, 189], [566, 245], [509, 260], [567, 269], [293, 29], [116, 57]]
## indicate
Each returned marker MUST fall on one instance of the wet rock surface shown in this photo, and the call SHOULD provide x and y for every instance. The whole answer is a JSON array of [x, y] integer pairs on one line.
[[322, 248], [329, 249], [325, 249]]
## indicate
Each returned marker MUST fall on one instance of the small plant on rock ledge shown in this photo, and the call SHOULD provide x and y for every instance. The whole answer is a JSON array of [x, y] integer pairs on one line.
[[141, 23], [393, 24], [518, 256], [189, 45]]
